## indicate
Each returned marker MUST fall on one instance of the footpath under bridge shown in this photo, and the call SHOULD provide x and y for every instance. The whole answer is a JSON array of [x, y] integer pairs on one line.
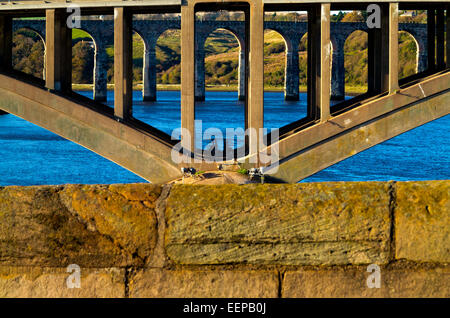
[[328, 134]]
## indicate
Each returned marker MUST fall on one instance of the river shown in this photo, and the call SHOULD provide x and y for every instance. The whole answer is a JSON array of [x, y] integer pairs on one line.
[[31, 155]]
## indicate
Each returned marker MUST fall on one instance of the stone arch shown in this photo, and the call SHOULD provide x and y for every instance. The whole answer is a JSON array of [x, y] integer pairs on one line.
[[420, 49], [291, 65], [200, 57], [41, 37], [94, 41], [361, 73], [150, 37]]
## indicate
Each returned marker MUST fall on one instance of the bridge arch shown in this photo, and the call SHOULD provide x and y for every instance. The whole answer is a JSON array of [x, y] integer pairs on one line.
[[201, 55], [40, 57], [404, 72], [95, 44], [356, 75]]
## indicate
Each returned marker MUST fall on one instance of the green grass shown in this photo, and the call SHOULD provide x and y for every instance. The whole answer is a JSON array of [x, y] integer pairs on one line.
[[80, 34]]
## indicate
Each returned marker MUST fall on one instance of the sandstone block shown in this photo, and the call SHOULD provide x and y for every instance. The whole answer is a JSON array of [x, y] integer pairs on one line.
[[352, 282], [29, 282], [92, 226], [422, 221], [185, 283], [317, 223]]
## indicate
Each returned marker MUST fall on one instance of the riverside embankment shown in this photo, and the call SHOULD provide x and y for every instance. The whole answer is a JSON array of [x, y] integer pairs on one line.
[[302, 240]]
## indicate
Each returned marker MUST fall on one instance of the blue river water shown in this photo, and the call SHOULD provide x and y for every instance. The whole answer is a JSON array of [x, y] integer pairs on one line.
[[30, 155]]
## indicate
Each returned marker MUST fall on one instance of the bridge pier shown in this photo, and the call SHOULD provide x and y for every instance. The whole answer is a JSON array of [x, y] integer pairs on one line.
[[242, 74], [58, 53], [291, 82], [319, 66], [123, 54], [338, 74], [149, 74], [100, 74], [200, 71]]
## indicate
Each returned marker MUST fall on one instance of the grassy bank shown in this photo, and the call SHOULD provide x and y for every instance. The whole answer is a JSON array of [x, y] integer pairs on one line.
[[350, 90]]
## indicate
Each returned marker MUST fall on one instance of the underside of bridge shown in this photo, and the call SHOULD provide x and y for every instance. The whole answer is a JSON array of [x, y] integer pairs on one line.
[[327, 136]]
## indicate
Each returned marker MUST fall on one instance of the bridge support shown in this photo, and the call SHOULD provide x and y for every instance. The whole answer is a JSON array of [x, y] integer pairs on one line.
[[149, 74], [383, 52], [319, 55], [200, 71], [58, 53], [100, 74], [255, 104], [440, 39], [338, 73], [123, 76], [188, 70], [291, 84], [242, 74]]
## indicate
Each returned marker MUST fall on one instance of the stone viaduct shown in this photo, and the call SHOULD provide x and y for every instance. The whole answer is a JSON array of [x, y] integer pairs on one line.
[[102, 33]]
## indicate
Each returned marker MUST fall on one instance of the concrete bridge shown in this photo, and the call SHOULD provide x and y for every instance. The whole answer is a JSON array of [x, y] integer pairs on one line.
[[102, 33], [305, 146]]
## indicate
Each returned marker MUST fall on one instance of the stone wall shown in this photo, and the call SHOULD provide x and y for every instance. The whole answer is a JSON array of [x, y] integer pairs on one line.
[[302, 240]]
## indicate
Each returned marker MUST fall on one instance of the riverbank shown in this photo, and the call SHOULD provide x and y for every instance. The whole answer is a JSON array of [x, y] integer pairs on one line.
[[350, 90]]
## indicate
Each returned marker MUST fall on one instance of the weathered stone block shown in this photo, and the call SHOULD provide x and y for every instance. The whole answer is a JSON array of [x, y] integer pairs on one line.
[[27, 282], [318, 223], [352, 282], [163, 283], [92, 226], [422, 221]]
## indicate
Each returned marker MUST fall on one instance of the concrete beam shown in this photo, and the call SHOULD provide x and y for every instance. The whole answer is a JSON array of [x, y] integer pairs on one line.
[[389, 48], [255, 101], [188, 77], [125, 144], [333, 150], [58, 52], [123, 74], [319, 59], [296, 143]]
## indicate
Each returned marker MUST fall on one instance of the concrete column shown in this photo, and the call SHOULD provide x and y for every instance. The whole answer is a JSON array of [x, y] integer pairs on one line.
[[149, 74], [199, 69], [319, 55], [242, 76], [123, 76], [390, 40], [383, 52], [100, 73], [188, 76], [58, 61], [255, 106], [5, 43], [338, 73], [291, 82]]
